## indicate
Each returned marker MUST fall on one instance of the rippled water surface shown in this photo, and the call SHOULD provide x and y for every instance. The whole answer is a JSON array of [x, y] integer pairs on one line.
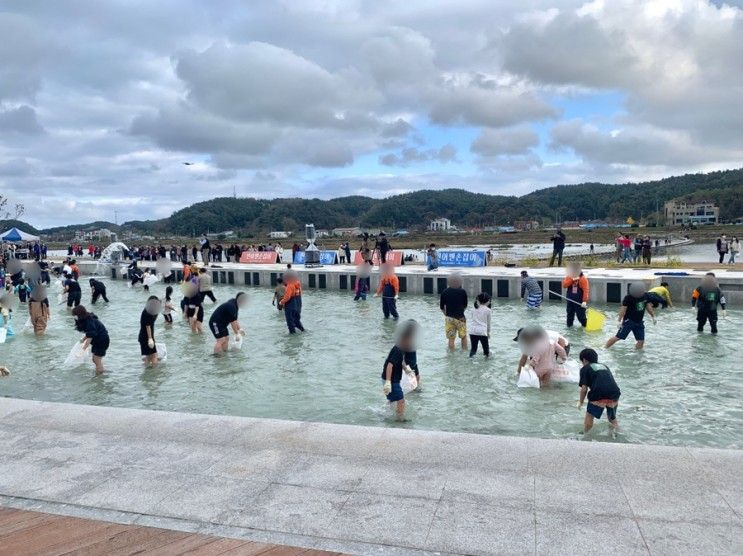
[[683, 389]]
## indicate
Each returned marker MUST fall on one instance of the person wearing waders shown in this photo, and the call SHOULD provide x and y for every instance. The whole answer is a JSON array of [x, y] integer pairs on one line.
[[389, 289], [705, 299], [292, 302], [577, 288]]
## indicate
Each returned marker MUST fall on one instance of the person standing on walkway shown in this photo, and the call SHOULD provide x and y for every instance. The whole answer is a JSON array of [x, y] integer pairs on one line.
[[383, 246], [577, 293], [734, 250], [647, 250], [722, 247], [347, 251], [453, 303], [558, 246]]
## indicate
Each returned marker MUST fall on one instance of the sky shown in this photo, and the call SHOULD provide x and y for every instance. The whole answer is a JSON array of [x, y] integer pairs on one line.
[[102, 101]]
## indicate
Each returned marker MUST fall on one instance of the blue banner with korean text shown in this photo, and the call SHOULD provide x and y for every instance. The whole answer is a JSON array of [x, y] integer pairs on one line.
[[326, 257], [462, 258]]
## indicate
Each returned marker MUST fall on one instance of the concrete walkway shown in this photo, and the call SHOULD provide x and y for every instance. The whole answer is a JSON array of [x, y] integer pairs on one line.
[[368, 490]]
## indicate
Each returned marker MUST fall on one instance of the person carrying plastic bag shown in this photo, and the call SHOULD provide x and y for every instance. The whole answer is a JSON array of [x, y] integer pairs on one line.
[[94, 344], [225, 317]]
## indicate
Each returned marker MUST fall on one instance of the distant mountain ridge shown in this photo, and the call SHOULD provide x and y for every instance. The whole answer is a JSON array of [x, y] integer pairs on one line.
[[586, 201]]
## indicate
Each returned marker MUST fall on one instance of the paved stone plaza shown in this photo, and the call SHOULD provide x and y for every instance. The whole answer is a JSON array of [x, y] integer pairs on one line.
[[368, 490]]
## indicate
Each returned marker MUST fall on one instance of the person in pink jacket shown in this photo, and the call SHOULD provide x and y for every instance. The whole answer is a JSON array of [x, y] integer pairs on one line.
[[539, 352]]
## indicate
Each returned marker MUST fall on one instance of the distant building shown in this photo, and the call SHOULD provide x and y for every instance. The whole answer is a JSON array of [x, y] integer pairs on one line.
[[681, 214], [322, 233], [526, 225], [280, 235], [441, 225], [89, 235], [340, 232]]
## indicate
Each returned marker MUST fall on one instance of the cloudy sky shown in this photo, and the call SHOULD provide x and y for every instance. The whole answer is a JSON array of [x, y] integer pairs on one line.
[[102, 101]]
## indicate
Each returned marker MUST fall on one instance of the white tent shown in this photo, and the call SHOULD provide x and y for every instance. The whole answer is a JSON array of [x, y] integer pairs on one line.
[[14, 234]]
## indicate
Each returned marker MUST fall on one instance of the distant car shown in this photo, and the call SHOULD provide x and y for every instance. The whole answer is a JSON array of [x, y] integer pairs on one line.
[[401, 233]]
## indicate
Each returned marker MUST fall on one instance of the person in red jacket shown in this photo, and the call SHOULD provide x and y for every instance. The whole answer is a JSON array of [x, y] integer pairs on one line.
[[292, 302], [389, 289], [577, 292]]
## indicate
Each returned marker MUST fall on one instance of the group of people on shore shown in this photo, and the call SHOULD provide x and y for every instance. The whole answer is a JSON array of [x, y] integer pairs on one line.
[[727, 247]]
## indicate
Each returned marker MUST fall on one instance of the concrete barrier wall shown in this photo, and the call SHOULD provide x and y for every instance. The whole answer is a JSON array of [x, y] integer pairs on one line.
[[607, 285]]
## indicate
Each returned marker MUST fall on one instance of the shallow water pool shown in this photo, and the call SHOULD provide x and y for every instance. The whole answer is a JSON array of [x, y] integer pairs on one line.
[[683, 389]]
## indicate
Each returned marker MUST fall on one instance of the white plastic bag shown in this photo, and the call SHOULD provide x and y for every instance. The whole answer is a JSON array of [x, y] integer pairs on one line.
[[3, 334], [528, 378], [408, 382], [566, 372], [162, 352], [149, 280], [28, 327], [236, 342], [78, 356]]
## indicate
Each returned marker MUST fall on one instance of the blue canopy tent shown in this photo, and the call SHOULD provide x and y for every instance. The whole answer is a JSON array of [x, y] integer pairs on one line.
[[14, 234]]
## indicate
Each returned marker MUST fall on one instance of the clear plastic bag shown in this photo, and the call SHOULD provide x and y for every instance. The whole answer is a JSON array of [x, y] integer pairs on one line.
[[3, 334], [408, 382], [162, 352], [78, 356], [566, 372], [236, 342], [528, 378]]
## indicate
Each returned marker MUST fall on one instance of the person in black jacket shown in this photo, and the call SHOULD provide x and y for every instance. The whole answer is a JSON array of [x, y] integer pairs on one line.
[[98, 290], [96, 335], [558, 246]]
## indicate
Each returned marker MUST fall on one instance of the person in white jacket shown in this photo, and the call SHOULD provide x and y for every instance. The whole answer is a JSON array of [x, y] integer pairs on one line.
[[479, 325], [734, 250]]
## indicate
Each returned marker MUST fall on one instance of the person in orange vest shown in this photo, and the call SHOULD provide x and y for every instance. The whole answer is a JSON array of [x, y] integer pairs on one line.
[[292, 302], [389, 289], [577, 288]]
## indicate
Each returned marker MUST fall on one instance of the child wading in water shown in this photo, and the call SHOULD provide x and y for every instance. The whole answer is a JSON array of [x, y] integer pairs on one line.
[[598, 384], [479, 325], [395, 365], [278, 293], [168, 306]]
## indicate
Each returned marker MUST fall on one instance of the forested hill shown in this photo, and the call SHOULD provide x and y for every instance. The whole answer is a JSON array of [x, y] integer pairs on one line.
[[585, 201]]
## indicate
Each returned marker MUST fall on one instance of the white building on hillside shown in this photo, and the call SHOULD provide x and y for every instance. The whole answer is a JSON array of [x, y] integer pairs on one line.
[[441, 225]]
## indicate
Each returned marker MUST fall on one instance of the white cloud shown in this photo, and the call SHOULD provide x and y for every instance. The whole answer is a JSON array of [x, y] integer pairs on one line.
[[101, 102]]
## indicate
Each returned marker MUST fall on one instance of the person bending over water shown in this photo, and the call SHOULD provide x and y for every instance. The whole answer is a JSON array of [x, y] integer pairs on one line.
[[146, 337], [538, 351], [598, 384], [73, 291], [632, 314], [705, 299], [97, 290], [96, 335], [225, 317], [659, 296], [453, 303], [531, 286], [395, 365]]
